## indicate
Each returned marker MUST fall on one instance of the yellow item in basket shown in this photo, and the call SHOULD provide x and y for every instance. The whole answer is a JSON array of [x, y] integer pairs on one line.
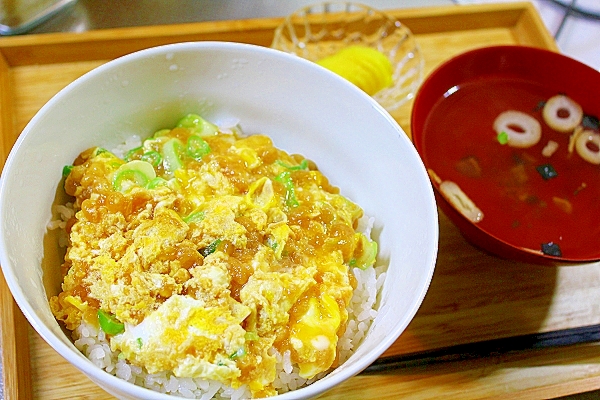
[[367, 68]]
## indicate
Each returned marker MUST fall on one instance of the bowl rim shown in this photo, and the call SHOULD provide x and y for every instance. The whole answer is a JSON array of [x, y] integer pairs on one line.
[[97, 374]]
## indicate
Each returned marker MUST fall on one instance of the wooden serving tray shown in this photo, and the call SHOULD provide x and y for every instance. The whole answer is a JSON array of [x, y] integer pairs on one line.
[[473, 296]]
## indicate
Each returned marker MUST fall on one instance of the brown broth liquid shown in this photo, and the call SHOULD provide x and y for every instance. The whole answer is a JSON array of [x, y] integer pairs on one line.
[[519, 206]]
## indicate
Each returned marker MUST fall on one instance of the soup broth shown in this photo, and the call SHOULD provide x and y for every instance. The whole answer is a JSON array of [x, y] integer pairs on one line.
[[520, 204]]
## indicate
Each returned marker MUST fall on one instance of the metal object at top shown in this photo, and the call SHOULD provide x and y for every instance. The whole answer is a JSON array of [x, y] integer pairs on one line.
[[20, 16]]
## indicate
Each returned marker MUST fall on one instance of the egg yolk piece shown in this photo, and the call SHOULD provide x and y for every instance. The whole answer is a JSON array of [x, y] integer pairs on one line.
[[313, 337]]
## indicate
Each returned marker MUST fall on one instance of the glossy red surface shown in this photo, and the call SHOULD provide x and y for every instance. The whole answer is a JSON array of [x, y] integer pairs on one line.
[[452, 121]]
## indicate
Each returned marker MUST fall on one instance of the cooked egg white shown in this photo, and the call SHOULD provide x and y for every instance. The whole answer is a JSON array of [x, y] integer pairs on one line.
[[189, 337]]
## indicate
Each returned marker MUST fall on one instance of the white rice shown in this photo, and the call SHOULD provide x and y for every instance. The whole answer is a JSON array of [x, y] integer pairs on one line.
[[130, 143], [92, 342], [62, 213]]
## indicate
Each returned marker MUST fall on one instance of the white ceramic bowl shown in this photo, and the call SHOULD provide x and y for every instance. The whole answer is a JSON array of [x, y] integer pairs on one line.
[[302, 107]]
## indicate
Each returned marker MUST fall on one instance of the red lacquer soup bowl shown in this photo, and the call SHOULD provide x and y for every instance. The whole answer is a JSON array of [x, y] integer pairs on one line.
[[510, 138]]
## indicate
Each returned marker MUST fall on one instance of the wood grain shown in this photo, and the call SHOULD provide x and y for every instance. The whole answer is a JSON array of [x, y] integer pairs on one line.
[[14, 333], [14, 327], [473, 296], [6, 109]]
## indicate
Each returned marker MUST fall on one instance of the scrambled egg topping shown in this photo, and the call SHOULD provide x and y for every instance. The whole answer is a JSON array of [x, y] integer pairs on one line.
[[200, 251]]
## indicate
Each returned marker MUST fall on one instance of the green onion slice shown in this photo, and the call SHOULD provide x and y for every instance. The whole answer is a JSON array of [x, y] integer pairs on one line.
[[153, 157], [197, 147], [241, 352], [195, 216], [368, 254], [272, 243], [156, 182], [133, 154], [161, 132], [285, 179], [303, 166], [134, 172], [171, 152], [67, 170], [99, 150], [109, 323], [502, 137], [198, 125], [211, 248]]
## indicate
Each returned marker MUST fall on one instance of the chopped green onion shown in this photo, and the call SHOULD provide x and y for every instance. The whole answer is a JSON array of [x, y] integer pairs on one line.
[[67, 170], [272, 243], [155, 144], [211, 248], [285, 179], [196, 216], [547, 171], [368, 254], [503, 138], [251, 335], [99, 150], [139, 341], [133, 154], [172, 151], [300, 167], [125, 179], [197, 147], [153, 157], [161, 132], [135, 172], [198, 125], [109, 323], [241, 352], [158, 181]]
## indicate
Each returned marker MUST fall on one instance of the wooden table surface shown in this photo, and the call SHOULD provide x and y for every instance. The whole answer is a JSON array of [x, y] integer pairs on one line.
[[473, 296]]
